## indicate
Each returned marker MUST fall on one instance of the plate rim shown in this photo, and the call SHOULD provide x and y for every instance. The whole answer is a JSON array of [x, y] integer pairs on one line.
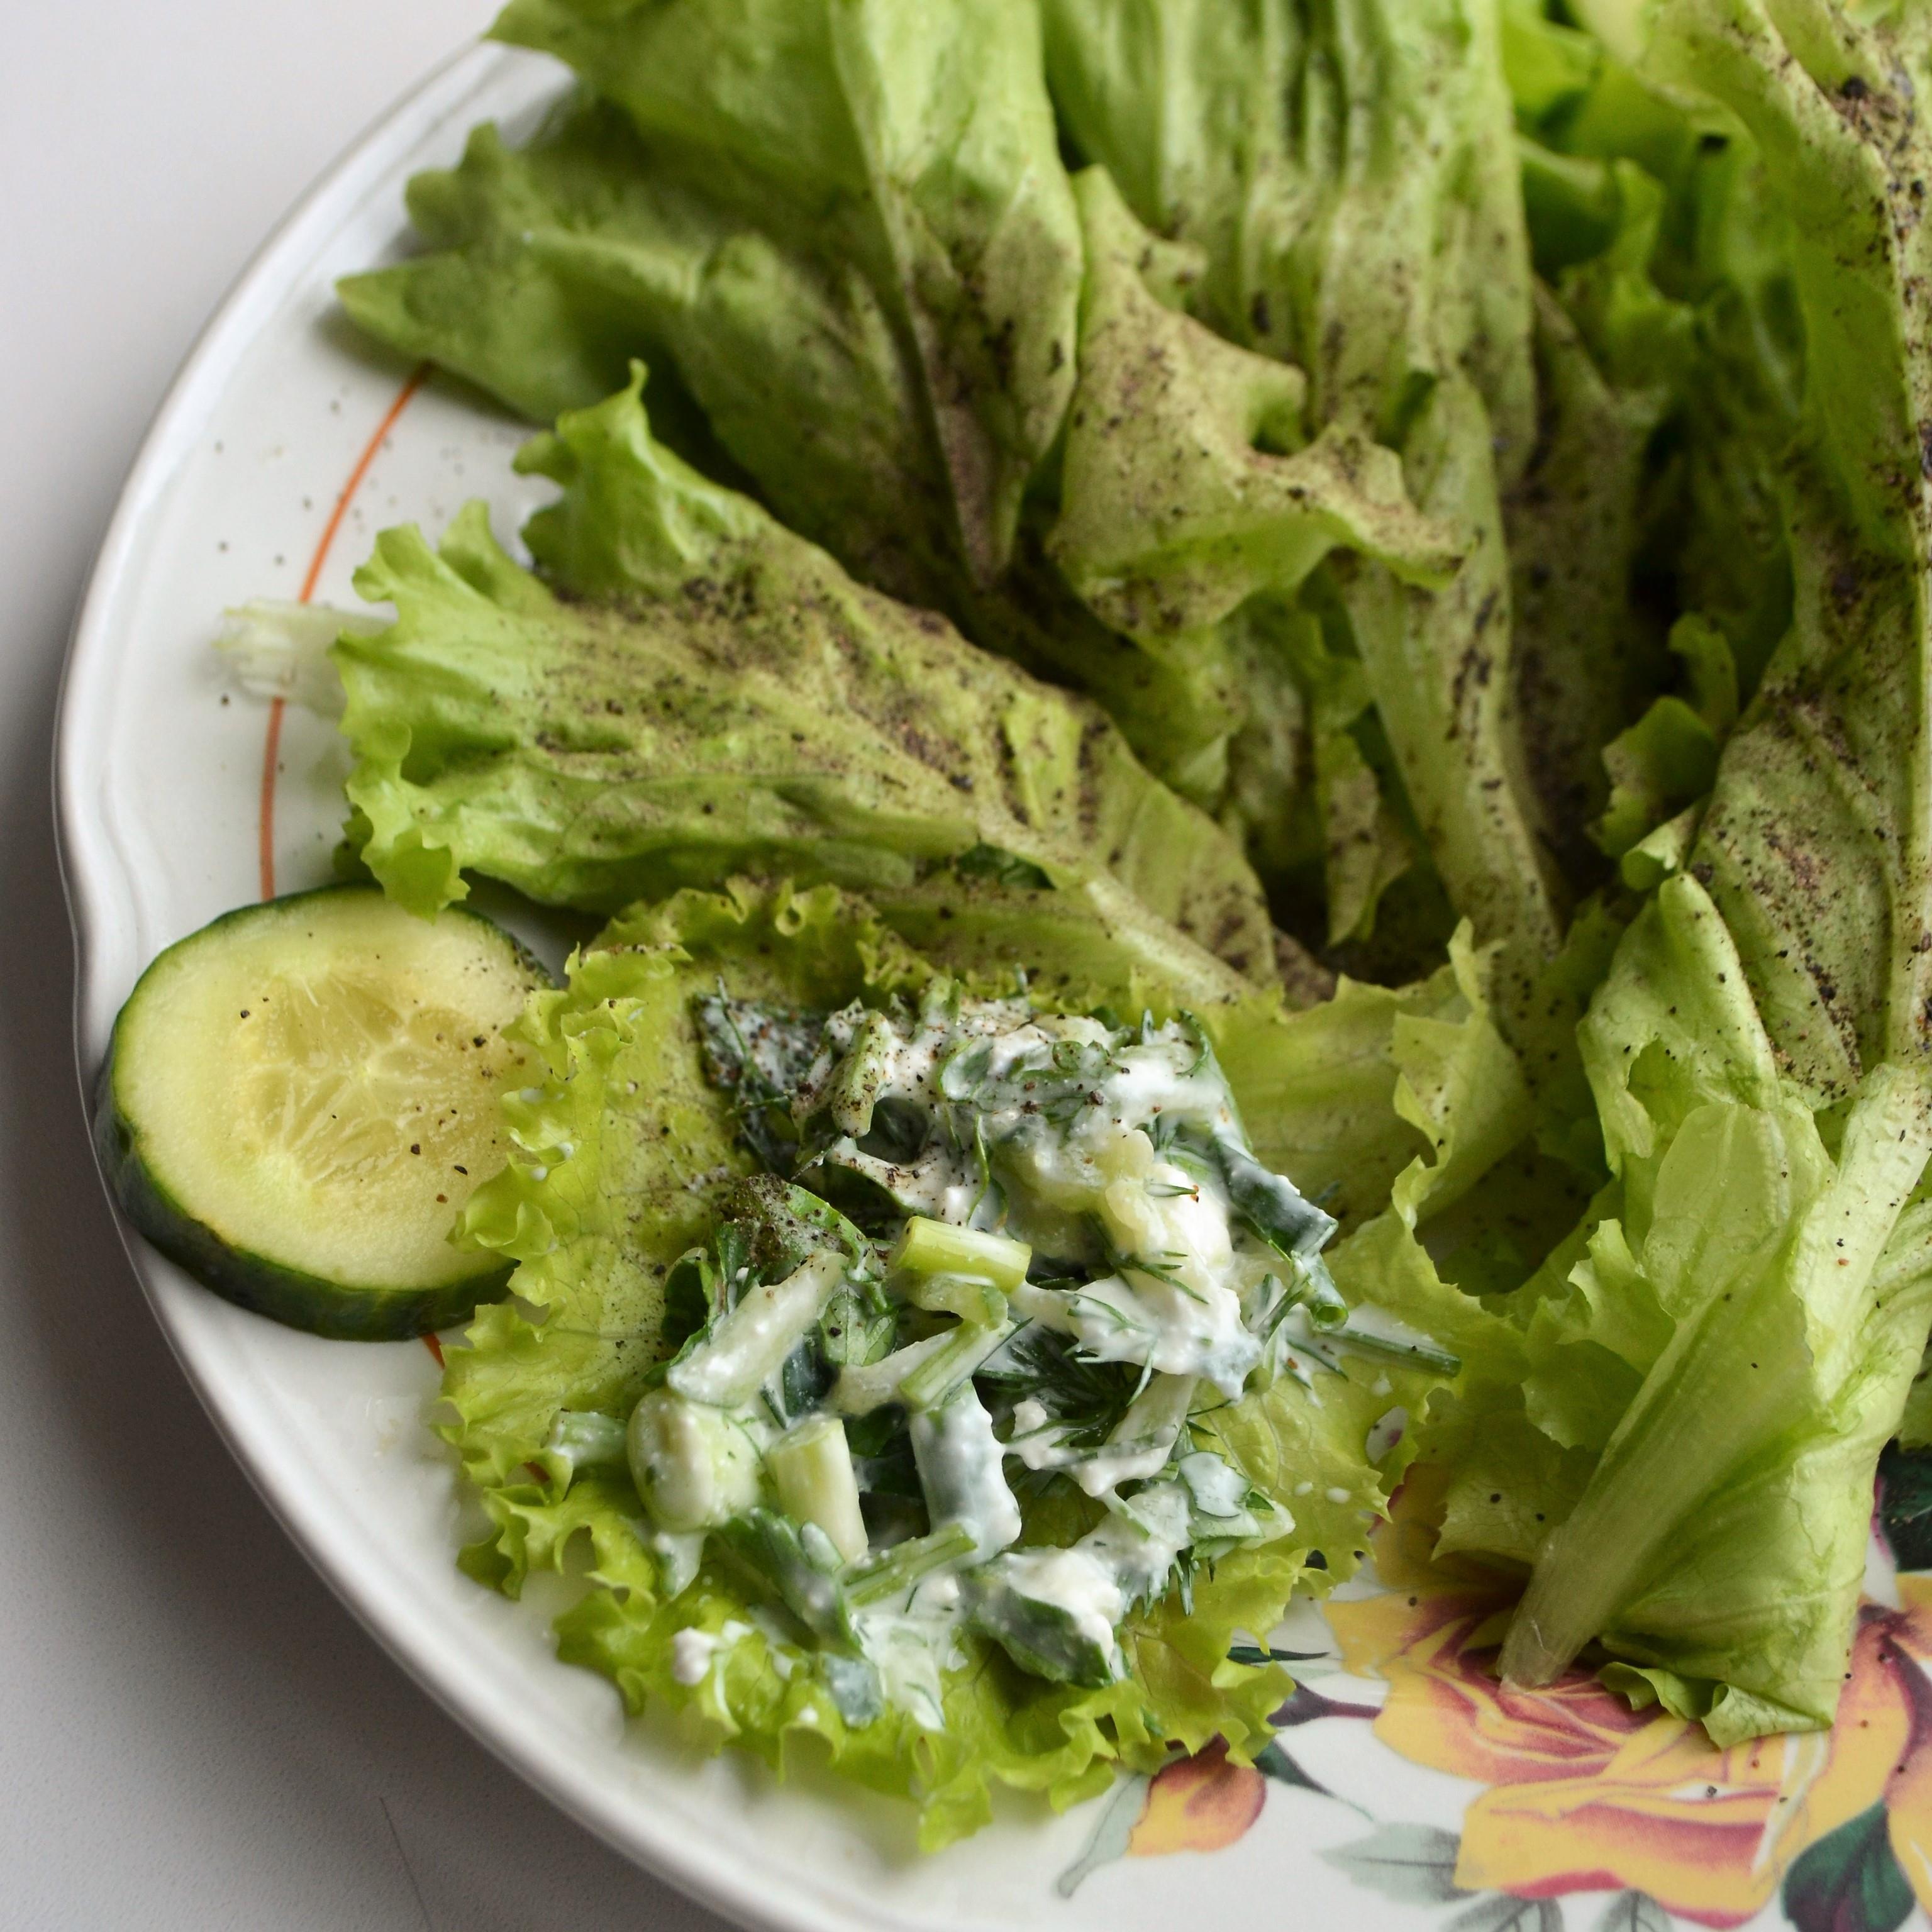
[[713, 1878]]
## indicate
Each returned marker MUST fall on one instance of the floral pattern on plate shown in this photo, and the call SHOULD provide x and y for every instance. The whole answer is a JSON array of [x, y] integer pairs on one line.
[[1580, 1794]]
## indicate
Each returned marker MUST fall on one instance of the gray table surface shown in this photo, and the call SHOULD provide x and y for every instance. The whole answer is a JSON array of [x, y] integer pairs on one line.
[[193, 1734]]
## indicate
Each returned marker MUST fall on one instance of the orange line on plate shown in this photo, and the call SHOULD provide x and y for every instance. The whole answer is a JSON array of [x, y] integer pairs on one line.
[[272, 744], [271, 747]]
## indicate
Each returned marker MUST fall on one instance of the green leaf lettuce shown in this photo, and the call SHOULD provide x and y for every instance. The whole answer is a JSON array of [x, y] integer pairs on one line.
[[1732, 1343], [712, 695]]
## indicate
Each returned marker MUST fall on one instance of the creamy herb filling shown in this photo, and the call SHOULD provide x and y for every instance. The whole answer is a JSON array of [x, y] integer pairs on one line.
[[999, 1250]]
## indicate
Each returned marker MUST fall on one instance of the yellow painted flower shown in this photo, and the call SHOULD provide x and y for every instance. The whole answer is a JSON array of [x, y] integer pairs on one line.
[[1586, 1795], [1197, 1804]]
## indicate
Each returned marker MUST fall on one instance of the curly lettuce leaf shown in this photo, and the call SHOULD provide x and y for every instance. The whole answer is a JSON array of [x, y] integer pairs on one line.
[[1003, 1728], [1306, 151], [624, 1148], [1283, 146], [1368, 840], [1651, 214], [1671, 353], [627, 1147], [1474, 1205], [1732, 557], [1439, 666], [863, 268], [856, 284], [1330, 1094], [1752, 1309], [762, 1694], [1733, 1332], [1730, 1335], [593, 747], [624, 1152], [652, 1142], [1459, 1087], [1585, 653], [1667, 760], [549, 269], [1469, 1188]]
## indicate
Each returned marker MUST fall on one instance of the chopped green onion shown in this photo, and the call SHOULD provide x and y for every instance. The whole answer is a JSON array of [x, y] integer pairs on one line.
[[858, 1390], [908, 1563], [1323, 1299], [748, 1346], [930, 1247], [961, 1350], [971, 1298], [773, 1548], [1272, 1205], [1420, 1350], [812, 1469]]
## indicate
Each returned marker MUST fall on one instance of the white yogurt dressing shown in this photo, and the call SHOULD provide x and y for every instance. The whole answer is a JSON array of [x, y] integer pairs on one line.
[[690, 1652], [911, 1650], [1079, 1582], [1135, 1317], [962, 1469], [1143, 1444], [751, 1343], [693, 1651], [1067, 1141]]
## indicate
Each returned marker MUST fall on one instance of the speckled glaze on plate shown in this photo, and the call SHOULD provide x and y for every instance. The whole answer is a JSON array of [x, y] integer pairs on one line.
[[1407, 1790]]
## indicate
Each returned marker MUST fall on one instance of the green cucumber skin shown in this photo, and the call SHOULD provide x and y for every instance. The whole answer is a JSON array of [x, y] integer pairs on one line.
[[251, 1281], [311, 1302]]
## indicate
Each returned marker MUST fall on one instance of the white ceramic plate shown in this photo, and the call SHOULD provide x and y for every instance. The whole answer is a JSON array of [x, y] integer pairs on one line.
[[284, 445]]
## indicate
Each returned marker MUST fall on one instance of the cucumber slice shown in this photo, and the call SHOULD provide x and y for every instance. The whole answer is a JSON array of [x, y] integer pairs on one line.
[[299, 1098]]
